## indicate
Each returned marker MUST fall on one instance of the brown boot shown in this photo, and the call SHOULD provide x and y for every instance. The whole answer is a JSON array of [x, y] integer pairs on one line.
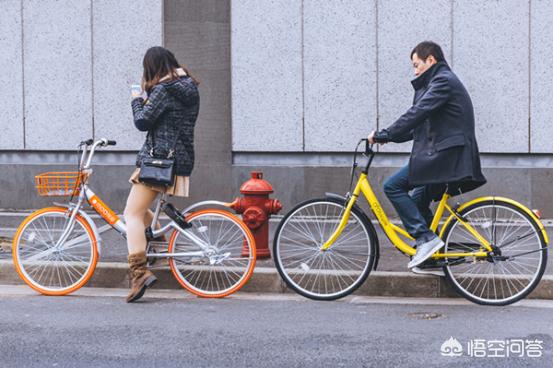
[[141, 277]]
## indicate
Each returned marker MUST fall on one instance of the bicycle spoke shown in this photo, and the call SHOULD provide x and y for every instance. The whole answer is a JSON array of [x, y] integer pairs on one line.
[[306, 266], [227, 266], [497, 280], [42, 264]]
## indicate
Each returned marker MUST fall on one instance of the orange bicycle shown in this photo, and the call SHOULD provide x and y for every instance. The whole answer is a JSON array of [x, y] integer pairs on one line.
[[211, 252]]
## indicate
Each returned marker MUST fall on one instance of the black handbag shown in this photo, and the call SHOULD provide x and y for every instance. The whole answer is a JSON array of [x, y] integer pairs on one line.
[[158, 170]]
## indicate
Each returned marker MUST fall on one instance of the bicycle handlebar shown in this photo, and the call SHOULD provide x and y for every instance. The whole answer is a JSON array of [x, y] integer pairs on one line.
[[85, 161], [368, 146], [100, 142]]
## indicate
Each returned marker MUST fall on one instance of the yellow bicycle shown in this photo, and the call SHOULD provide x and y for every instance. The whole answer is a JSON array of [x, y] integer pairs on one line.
[[495, 249]]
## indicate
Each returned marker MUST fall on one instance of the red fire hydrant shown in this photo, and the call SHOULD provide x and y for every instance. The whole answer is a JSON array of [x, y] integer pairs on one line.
[[256, 208]]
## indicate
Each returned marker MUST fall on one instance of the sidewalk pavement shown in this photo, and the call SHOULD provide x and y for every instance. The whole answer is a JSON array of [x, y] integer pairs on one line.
[[390, 279], [267, 280]]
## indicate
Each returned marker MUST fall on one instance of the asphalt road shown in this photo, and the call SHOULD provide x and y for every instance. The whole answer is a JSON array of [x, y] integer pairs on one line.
[[95, 328]]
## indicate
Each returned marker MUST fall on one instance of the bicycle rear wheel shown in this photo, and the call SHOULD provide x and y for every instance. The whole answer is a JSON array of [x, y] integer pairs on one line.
[[330, 274], [228, 263], [517, 264], [51, 269]]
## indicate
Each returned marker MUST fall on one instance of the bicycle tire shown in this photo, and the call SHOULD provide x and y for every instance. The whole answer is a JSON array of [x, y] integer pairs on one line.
[[540, 241], [197, 277], [24, 265], [360, 219]]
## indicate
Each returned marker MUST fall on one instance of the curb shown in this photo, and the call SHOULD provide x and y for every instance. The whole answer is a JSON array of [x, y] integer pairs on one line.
[[267, 280]]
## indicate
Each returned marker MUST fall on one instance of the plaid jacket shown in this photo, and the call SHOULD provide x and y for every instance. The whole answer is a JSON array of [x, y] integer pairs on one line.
[[170, 107]]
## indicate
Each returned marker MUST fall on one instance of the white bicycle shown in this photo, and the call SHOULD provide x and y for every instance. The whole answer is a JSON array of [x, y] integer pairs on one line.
[[211, 252]]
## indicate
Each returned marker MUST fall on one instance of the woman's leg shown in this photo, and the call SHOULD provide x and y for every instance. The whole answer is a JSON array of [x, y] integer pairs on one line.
[[140, 199], [136, 211], [148, 219], [148, 222]]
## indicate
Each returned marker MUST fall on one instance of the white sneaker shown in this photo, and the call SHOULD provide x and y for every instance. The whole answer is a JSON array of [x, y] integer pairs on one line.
[[425, 251], [428, 271]]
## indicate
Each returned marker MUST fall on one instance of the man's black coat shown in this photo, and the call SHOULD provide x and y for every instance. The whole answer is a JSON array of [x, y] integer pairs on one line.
[[441, 124]]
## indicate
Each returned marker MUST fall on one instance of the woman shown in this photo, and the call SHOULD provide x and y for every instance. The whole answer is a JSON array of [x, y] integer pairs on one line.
[[168, 115]]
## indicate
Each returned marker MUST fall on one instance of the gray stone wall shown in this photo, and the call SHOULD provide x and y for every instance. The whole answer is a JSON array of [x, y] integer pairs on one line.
[[67, 67], [316, 76], [280, 79], [199, 34]]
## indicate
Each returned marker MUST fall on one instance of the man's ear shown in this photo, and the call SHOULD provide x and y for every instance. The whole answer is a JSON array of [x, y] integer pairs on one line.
[[431, 60]]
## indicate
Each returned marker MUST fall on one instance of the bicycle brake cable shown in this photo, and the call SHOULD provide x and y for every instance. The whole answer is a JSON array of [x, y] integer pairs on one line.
[[78, 171], [354, 166]]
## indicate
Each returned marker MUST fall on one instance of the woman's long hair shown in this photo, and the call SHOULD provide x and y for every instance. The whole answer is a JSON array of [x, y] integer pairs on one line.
[[159, 62]]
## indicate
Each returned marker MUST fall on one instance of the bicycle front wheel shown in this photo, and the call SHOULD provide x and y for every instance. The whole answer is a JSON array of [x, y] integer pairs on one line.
[[515, 267], [227, 263], [46, 266], [335, 272]]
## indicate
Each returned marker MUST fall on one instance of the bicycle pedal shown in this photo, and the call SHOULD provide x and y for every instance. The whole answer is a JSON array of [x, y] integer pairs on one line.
[[432, 265], [148, 233], [176, 216]]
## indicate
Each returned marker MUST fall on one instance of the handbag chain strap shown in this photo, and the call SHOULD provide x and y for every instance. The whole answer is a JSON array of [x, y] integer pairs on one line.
[[172, 150]]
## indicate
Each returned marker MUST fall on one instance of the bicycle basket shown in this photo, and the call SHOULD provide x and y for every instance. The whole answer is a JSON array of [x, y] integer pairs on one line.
[[52, 184]]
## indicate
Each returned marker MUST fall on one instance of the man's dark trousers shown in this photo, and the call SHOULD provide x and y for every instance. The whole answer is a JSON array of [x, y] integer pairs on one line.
[[413, 210]]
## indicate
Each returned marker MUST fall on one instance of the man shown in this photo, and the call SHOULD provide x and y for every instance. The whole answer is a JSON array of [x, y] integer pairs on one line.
[[444, 155]]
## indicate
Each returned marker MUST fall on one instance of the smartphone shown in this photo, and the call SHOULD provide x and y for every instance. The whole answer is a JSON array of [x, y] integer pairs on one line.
[[136, 88]]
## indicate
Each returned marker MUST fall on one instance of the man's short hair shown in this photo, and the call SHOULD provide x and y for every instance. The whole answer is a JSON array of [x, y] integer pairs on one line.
[[427, 48]]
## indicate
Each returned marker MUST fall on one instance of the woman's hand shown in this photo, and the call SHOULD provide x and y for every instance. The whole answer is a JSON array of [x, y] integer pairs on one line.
[[136, 91]]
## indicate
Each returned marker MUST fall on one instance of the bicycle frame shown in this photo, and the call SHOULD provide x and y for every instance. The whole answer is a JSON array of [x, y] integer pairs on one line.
[[393, 231], [115, 222]]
